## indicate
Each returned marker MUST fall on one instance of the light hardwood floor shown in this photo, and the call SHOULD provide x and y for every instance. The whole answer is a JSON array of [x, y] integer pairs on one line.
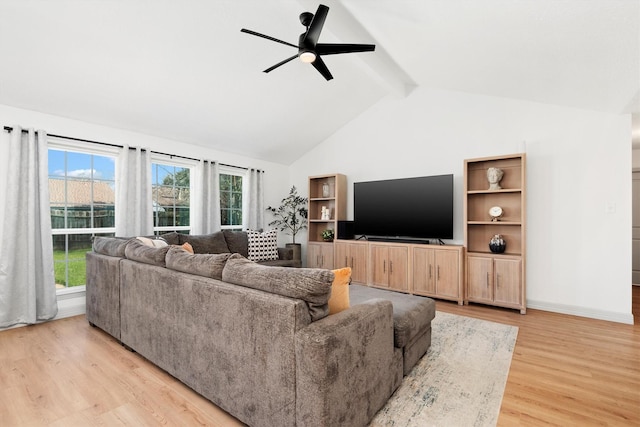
[[566, 371]]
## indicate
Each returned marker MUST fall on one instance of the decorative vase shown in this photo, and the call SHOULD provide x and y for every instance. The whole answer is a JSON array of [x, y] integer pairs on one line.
[[497, 245], [325, 189]]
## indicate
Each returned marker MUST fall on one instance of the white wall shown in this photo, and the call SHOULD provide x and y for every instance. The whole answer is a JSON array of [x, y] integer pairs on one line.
[[578, 172]]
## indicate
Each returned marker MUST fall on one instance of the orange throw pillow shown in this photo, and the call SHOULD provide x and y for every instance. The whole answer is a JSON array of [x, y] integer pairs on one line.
[[187, 247], [339, 299]]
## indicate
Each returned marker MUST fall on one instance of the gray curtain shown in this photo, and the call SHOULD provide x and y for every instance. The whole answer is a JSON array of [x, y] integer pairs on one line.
[[255, 201], [27, 283], [134, 205], [206, 208]]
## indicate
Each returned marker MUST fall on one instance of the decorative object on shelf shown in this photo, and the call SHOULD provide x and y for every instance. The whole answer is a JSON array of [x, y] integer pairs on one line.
[[327, 235], [325, 214], [325, 190], [291, 215], [496, 213], [494, 175], [497, 245]]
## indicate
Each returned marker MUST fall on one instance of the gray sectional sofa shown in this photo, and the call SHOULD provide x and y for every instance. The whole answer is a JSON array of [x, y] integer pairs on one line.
[[257, 340]]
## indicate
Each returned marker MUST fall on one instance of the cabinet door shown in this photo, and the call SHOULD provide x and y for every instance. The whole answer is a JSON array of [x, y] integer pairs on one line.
[[341, 258], [423, 269], [358, 263], [327, 256], [314, 255], [398, 264], [480, 279], [379, 257], [447, 268], [508, 281]]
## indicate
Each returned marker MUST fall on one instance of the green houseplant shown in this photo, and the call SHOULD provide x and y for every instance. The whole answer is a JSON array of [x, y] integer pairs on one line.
[[327, 235], [291, 217]]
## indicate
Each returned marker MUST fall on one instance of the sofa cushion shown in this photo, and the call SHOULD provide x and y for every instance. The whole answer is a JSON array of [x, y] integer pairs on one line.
[[137, 251], [207, 265], [339, 299], [213, 243], [312, 285], [237, 241], [262, 246], [112, 246]]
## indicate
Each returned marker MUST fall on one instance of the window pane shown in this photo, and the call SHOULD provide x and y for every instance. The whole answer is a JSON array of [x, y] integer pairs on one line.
[[171, 196], [231, 199]]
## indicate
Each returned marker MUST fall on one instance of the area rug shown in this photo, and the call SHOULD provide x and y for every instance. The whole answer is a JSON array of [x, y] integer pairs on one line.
[[461, 379]]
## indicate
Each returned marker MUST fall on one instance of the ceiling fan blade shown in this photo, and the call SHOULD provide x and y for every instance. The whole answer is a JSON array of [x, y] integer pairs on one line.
[[280, 63], [322, 68], [336, 48], [253, 33], [313, 33]]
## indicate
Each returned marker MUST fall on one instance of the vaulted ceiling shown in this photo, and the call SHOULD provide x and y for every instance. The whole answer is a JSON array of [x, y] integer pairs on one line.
[[183, 70]]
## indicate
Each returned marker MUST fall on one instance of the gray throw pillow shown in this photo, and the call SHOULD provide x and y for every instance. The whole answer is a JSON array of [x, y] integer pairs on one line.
[[238, 242], [213, 243], [172, 238], [207, 265], [312, 285]]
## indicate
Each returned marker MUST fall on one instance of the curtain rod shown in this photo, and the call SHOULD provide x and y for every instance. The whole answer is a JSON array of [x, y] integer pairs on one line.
[[10, 129]]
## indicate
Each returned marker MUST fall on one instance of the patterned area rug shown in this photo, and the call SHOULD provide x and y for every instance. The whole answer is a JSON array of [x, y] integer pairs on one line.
[[461, 379]]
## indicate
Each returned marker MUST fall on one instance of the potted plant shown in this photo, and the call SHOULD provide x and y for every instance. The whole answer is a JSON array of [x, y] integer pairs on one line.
[[291, 217], [327, 235]]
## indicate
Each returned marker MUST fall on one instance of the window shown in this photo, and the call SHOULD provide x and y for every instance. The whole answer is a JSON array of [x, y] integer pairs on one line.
[[171, 194], [82, 199], [231, 190]]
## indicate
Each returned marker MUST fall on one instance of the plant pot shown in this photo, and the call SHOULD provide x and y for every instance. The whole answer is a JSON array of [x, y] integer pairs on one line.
[[297, 251]]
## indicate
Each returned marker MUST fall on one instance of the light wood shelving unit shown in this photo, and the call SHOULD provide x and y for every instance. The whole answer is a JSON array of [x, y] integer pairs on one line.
[[496, 279], [330, 192]]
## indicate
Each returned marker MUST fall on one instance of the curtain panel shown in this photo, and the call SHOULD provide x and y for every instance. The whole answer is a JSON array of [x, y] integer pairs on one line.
[[134, 205], [27, 281], [206, 212], [255, 201]]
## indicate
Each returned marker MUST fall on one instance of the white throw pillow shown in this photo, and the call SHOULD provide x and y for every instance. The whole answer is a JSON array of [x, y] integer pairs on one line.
[[153, 243], [263, 246]]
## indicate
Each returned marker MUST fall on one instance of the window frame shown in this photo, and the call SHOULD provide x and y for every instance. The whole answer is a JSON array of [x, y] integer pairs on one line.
[[183, 163], [230, 170], [61, 144]]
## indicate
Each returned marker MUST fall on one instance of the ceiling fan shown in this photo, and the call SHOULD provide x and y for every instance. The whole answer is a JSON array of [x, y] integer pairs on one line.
[[309, 50]]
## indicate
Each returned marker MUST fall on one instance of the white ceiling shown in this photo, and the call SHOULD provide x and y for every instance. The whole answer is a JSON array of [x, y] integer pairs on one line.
[[183, 70]]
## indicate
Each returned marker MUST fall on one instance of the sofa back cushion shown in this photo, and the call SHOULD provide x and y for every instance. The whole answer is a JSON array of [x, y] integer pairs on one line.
[[111, 246], [206, 265], [213, 243], [138, 251], [312, 285], [238, 242]]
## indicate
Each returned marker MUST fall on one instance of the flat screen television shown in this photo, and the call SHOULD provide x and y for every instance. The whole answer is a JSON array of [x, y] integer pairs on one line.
[[406, 208]]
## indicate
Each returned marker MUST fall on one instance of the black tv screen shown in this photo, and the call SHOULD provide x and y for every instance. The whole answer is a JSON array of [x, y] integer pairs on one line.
[[420, 208]]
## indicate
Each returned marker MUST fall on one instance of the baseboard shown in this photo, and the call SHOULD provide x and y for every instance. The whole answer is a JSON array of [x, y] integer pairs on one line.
[[71, 304], [581, 311]]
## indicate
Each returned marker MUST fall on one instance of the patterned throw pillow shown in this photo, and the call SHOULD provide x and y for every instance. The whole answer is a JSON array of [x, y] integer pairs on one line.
[[263, 246]]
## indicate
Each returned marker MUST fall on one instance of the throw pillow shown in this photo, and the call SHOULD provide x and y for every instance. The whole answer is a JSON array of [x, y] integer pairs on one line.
[[153, 243], [339, 299], [263, 246], [187, 247], [213, 243]]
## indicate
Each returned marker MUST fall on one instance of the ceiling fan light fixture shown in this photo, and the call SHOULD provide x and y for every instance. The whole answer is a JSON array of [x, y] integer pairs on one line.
[[307, 57]]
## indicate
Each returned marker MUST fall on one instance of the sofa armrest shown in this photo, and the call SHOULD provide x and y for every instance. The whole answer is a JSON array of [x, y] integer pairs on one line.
[[345, 366], [285, 253]]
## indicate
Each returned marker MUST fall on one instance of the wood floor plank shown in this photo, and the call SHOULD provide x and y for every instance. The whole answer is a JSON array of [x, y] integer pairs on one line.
[[565, 371]]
